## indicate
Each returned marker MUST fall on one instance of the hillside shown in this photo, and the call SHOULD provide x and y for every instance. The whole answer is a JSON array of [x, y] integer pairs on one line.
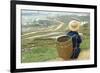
[[40, 32]]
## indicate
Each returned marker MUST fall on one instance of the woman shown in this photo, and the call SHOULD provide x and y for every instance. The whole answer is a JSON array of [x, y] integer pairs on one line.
[[74, 26]]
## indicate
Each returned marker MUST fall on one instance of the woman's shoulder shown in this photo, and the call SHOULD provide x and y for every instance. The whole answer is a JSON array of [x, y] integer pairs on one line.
[[72, 34]]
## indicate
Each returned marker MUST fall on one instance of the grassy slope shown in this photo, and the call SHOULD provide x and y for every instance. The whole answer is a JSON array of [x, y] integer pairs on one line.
[[45, 50]]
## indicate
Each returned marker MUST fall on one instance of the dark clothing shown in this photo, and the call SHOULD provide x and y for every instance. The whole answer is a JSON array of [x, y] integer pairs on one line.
[[76, 40]]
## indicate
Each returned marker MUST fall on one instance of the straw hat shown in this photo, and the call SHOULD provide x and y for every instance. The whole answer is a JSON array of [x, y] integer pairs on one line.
[[74, 25]]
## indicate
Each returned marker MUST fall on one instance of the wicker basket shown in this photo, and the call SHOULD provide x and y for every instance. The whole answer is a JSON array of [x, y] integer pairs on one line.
[[64, 47]]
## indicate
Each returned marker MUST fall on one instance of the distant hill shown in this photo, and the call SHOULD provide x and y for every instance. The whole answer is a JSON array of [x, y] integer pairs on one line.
[[67, 18], [34, 20]]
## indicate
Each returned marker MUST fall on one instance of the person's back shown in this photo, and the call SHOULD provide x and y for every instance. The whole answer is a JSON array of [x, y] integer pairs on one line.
[[76, 39]]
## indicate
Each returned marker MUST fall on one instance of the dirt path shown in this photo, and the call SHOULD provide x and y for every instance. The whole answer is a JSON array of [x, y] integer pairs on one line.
[[49, 29], [85, 54], [60, 25], [43, 35]]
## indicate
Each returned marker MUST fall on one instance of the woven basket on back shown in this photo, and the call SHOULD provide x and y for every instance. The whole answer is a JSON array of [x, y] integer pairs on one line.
[[64, 47]]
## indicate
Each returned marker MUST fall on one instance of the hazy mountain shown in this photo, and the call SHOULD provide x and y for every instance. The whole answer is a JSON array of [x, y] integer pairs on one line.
[[33, 20], [28, 16]]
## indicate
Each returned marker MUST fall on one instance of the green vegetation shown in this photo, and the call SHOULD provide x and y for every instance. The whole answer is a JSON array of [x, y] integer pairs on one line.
[[86, 37], [38, 46], [39, 54], [85, 43], [43, 50]]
